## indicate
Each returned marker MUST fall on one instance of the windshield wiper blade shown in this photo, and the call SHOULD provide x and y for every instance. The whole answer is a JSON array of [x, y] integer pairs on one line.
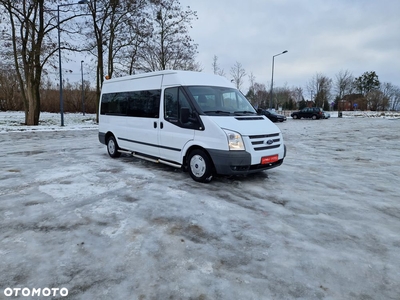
[[217, 111], [244, 112]]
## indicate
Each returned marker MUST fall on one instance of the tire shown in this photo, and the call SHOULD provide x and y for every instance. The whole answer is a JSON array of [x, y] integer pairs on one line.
[[295, 117], [112, 147], [200, 166], [314, 117]]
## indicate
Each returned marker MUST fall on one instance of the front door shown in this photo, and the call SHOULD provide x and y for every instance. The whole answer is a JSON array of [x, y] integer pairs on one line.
[[174, 133]]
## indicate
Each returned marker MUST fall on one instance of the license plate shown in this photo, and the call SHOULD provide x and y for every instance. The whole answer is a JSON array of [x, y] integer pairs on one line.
[[269, 159]]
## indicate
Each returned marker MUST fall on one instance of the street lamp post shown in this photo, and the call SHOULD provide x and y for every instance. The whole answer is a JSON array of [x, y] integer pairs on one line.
[[272, 79], [59, 56], [83, 93]]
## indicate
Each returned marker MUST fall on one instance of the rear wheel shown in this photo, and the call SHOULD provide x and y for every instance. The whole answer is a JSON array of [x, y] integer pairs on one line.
[[112, 147], [314, 117], [200, 166]]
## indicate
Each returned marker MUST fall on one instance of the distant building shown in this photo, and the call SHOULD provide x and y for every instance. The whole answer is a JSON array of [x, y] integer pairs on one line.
[[353, 102]]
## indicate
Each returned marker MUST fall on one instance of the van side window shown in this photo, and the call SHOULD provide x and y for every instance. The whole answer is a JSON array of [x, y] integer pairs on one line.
[[171, 106], [113, 104], [144, 104], [174, 100]]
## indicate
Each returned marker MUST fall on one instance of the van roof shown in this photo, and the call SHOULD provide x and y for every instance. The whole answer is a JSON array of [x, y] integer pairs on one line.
[[183, 77]]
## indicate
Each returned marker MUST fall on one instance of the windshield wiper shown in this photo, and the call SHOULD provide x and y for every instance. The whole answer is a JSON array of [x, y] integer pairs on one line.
[[217, 112], [244, 112]]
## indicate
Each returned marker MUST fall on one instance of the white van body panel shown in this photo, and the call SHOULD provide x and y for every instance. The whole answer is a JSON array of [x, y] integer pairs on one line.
[[173, 141], [188, 78], [139, 132], [247, 126], [127, 83]]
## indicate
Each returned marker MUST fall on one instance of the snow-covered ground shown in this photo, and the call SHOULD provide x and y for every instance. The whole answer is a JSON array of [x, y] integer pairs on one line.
[[14, 120], [324, 225]]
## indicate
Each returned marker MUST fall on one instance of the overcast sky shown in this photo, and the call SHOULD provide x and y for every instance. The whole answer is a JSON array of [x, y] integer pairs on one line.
[[321, 36]]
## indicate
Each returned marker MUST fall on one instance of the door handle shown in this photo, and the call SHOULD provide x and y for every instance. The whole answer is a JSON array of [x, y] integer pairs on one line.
[[155, 124], [161, 125]]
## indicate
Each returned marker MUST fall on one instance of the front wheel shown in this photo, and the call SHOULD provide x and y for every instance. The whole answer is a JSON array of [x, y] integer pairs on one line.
[[200, 166], [112, 147], [295, 117]]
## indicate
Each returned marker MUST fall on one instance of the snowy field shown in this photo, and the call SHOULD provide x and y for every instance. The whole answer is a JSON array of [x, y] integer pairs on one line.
[[324, 225]]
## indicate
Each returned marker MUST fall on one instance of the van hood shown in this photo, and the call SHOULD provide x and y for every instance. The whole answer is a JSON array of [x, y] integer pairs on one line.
[[246, 125]]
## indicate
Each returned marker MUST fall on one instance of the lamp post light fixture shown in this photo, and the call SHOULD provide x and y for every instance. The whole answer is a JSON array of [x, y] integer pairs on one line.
[[83, 93], [272, 79], [59, 56]]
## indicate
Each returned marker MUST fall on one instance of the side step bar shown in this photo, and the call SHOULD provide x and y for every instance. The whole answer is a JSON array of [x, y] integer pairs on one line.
[[169, 163], [175, 165]]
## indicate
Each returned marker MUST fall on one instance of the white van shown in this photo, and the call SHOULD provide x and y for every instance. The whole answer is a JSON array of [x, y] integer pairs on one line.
[[196, 121]]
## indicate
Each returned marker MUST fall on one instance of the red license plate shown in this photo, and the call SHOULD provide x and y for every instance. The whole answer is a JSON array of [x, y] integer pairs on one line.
[[269, 159]]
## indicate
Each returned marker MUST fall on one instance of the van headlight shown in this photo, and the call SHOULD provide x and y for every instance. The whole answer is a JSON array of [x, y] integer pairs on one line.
[[235, 141]]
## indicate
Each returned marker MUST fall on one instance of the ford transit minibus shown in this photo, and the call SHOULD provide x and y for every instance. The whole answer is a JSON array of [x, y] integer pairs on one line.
[[192, 120]]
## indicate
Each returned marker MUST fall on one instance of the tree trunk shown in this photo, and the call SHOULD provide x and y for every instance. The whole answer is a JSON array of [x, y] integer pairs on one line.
[[100, 78]]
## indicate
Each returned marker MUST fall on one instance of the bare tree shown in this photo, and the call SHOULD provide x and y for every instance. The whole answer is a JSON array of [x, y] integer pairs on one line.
[[252, 80], [250, 93], [282, 95], [129, 55], [118, 28], [320, 85], [169, 46], [10, 98], [395, 99], [27, 32], [389, 95], [297, 94], [216, 69], [238, 73], [376, 100], [343, 84], [260, 95]]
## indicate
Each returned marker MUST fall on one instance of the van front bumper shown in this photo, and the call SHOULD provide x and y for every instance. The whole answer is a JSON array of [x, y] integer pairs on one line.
[[237, 162]]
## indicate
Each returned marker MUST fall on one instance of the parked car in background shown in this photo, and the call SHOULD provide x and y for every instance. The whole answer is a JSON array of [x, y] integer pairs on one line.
[[272, 115], [326, 115], [309, 112]]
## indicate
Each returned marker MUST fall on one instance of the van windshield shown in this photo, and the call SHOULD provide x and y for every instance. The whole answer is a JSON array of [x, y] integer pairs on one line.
[[221, 101]]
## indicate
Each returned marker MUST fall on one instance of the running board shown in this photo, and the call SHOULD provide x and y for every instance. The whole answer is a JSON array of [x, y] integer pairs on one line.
[[170, 163], [144, 157], [124, 151], [152, 159]]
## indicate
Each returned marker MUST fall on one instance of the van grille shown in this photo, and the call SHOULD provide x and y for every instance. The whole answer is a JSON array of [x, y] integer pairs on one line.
[[265, 141]]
